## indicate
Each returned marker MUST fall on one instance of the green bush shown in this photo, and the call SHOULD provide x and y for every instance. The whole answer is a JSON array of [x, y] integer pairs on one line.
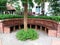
[[24, 35], [9, 16], [54, 18]]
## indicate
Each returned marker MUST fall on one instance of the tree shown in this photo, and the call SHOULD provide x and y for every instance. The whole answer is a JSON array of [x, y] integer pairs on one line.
[[55, 7], [3, 5], [25, 5], [42, 2]]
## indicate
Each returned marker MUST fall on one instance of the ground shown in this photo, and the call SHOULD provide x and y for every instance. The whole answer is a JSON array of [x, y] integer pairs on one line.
[[10, 39]]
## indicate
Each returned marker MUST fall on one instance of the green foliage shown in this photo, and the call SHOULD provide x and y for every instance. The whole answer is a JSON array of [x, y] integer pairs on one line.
[[38, 1], [12, 1], [3, 4], [55, 5], [24, 35], [30, 2], [7, 16], [54, 18], [18, 10]]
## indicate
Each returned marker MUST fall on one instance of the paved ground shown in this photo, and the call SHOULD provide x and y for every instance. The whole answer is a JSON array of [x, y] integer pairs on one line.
[[10, 39]]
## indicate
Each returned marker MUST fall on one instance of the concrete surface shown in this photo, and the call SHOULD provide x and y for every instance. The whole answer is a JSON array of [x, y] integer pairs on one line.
[[10, 39]]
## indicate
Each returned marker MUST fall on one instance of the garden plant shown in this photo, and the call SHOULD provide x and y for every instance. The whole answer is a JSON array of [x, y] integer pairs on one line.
[[24, 35]]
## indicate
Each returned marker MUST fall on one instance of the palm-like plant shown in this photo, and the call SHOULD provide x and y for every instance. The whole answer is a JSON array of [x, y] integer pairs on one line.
[[42, 2], [25, 5]]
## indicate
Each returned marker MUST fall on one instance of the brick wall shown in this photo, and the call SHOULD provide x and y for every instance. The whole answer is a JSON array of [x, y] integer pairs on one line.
[[1, 27], [52, 33], [52, 26], [6, 29]]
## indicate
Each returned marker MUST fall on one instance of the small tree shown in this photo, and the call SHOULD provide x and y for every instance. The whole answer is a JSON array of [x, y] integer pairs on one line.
[[25, 5]]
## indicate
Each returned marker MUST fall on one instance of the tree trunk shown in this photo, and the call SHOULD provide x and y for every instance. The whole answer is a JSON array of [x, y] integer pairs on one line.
[[25, 16]]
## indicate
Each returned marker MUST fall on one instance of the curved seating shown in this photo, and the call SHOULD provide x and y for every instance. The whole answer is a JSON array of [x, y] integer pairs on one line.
[[12, 24]]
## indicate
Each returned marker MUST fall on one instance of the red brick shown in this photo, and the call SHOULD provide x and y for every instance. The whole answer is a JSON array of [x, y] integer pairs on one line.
[[6, 29], [52, 33], [58, 34], [49, 24], [1, 27]]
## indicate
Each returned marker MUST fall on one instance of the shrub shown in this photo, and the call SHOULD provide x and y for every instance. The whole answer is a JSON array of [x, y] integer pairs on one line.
[[24, 35], [9, 16]]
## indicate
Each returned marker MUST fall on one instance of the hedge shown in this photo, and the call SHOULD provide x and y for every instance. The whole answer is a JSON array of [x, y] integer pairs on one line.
[[7, 16], [55, 18]]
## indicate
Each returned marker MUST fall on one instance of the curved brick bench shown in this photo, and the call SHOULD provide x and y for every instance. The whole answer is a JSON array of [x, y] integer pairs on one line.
[[51, 27]]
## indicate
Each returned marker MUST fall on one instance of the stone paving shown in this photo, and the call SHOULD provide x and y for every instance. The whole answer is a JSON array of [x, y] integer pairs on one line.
[[0, 42], [10, 39]]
